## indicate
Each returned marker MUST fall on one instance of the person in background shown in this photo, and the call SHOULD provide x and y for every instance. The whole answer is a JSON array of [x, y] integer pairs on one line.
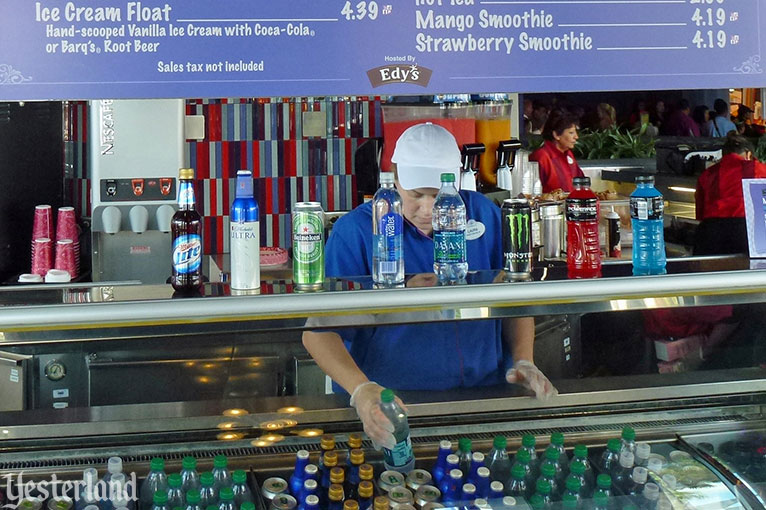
[[557, 162], [527, 115], [745, 119], [701, 116], [657, 115], [540, 113], [720, 207], [639, 115], [679, 122], [431, 355], [607, 116], [720, 125]]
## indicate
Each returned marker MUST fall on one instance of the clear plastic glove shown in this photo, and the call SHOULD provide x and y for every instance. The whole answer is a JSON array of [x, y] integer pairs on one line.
[[528, 375], [366, 400]]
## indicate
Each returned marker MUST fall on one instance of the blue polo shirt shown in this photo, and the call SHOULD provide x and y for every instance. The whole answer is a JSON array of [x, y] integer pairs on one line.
[[430, 356]]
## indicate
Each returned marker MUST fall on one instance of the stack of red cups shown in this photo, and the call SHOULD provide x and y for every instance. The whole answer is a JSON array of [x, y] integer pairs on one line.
[[67, 230], [42, 244], [66, 244]]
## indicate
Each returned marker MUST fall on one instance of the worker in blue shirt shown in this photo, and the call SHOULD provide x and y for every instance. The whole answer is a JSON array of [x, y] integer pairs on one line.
[[460, 353]]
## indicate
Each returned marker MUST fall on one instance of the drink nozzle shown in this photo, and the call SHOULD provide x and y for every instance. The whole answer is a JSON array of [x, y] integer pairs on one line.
[[471, 153], [506, 152]]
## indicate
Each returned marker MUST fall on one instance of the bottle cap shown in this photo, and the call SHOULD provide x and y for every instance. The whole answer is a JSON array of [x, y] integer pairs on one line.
[[327, 442], [226, 494], [469, 489], [481, 503], [193, 496], [640, 474], [244, 184], [365, 472], [581, 181], [387, 396], [174, 480], [206, 478], [496, 486], [249, 505], [643, 450], [604, 481], [310, 470], [114, 465], [500, 443], [310, 484], [157, 464], [644, 179], [518, 472], [448, 177], [445, 444], [365, 489], [186, 173], [537, 502], [302, 455], [350, 504], [357, 456], [523, 456], [543, 486], [220, 462], [189, 463], [581, 451], [355, 440], [453, 460], [477, 457], [548, 470], [337, 475], [626, 459], [613, 445], [670, 481], [160, 498], [509, 501], [578, 467], [629, 433], [456, 474], [239, 476], [335, 493], [89, 476], [483, 472], [655, 465], [380, 503], [551, 453], [557, 438], [573, 483], [311, 500], [331, 458], [651, 491], [464, 444], [528, 441], [386, 177], [569, 501]]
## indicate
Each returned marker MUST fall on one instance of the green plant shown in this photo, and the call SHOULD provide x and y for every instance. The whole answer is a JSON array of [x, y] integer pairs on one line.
[[615, 143], [760, 149]]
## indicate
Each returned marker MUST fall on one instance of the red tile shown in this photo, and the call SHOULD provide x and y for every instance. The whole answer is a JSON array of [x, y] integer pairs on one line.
[[203, 160]]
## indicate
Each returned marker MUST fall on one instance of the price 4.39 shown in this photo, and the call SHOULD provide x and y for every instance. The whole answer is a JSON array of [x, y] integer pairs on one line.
[[360, 11]]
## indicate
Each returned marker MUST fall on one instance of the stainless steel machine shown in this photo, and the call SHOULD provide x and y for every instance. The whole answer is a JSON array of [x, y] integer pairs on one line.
[[135, 150]]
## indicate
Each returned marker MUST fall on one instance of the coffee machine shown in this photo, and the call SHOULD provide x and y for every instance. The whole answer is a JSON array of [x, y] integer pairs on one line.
[[135, 150]]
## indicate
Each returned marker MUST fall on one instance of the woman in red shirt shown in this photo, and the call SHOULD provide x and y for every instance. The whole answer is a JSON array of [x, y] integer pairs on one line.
[[720, 205], [557, 162]]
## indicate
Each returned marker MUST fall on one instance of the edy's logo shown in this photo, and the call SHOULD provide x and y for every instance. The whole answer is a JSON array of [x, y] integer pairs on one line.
[[519, 227], [400, 73]]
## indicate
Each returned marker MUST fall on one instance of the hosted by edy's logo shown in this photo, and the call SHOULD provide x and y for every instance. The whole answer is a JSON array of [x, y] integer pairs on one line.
[[399, 73]]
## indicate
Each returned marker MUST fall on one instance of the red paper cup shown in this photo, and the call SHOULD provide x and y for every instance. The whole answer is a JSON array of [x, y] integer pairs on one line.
[[66, 224], [65, 257], [42, 256], [43, 223]]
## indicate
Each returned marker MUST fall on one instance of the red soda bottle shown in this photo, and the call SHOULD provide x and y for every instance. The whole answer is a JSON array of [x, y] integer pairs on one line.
[[583, 251], [186, 230]]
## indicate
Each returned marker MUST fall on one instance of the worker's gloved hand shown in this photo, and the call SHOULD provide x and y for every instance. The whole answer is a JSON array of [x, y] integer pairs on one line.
[[366, 400], [528, 375]]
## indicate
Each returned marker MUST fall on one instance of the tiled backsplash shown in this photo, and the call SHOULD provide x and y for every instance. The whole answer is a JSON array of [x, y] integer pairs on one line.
[[264, 135]]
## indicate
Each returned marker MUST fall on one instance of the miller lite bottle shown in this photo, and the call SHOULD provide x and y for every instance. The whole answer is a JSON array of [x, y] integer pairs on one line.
[[186, 229]]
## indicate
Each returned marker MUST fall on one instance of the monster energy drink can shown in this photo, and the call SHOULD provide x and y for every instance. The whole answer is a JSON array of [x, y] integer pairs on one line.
[[517, 237], [308, 246]]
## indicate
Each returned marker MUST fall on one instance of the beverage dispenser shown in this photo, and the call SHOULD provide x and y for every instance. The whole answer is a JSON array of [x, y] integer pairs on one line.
[[135, 150]]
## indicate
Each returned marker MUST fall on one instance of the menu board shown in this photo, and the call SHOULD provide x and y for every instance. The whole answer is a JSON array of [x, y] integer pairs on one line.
[[81, 49]]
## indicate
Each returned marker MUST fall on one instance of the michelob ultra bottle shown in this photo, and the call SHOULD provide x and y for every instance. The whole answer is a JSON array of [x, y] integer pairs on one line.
[[245, 245], [186, 231]]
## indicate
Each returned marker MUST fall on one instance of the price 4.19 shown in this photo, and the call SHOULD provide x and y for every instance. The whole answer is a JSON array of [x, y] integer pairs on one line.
[[710, 39], [362, 10], [709, 16]]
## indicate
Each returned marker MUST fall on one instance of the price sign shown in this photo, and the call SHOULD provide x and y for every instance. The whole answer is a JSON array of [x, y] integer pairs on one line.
[[65, 49]]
